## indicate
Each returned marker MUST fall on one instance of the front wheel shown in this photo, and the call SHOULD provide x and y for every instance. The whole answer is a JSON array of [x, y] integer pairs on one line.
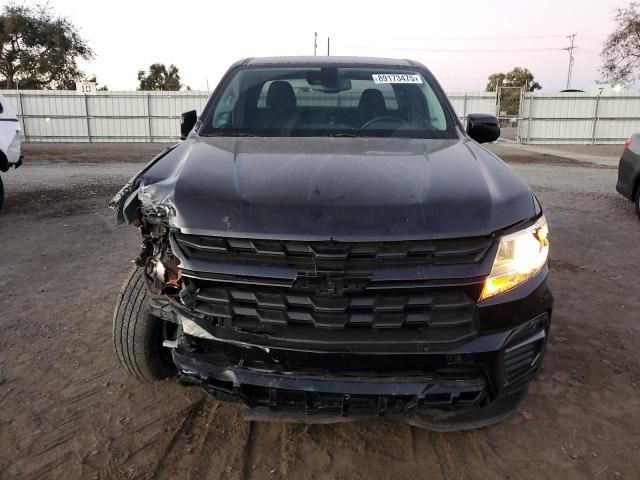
[[138, 335], [638, 202], [1, 193]]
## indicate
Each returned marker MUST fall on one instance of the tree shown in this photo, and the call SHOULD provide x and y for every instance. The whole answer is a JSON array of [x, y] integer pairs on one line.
[[39, 50], [621, 52], [510, 97], [99, 87], [518, 77], [160, 78]]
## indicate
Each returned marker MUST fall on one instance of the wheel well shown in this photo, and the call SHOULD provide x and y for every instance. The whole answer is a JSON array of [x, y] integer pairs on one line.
[[4, 162]]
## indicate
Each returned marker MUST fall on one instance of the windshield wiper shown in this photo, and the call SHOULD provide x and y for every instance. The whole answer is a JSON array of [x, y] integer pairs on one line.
[[349, 135], [228, 134]]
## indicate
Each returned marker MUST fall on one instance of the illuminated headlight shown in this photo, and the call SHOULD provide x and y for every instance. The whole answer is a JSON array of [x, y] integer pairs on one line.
[[520, 256]]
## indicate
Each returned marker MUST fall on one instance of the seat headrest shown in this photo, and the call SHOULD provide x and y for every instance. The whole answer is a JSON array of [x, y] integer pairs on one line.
[[280, 97], [371, 104]]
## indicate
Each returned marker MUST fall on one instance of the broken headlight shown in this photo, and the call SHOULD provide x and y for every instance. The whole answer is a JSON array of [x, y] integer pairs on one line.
[[520, 256], [123, 193]]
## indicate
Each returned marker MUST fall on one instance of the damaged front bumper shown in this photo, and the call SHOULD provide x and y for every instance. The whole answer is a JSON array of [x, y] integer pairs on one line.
[[477, 383]]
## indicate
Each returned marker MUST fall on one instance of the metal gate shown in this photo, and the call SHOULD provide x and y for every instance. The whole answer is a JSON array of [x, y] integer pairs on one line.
[[508, 110]]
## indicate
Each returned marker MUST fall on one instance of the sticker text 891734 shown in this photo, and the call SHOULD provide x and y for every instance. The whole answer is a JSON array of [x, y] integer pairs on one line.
[[396, 78]]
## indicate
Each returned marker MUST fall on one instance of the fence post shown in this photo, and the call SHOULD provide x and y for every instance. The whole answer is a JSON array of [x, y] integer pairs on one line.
[[464, 111], [149, 116], [520, 112], [86, 116], [24, 124], [595, 119], [530, 118]]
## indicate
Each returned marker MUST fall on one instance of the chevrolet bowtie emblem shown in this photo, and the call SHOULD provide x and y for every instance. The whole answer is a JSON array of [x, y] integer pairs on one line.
[[331, 283]]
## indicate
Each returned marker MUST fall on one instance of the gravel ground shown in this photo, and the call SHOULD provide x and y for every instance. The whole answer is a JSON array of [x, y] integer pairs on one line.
[[68, 410], [597, 150]]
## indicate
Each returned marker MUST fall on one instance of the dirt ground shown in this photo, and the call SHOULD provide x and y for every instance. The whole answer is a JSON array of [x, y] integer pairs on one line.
[[68, 411]]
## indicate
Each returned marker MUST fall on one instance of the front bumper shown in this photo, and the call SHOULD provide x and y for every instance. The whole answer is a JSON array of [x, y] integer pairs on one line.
[[443, 403], [476, 383], [628, 172]]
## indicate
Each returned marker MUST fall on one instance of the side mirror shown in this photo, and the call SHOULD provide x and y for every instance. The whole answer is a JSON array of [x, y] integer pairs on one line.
[[187, 122], [482, 127]]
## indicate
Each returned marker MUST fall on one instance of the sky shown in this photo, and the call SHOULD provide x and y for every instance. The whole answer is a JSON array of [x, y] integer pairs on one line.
[[461, 41]]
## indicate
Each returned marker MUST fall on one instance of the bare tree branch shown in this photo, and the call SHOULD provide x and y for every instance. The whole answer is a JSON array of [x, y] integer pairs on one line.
[[621, 52]]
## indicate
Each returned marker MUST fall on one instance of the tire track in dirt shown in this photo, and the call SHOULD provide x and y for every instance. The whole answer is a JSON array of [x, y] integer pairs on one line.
[[427, 454], [248, 454], [226, 435], [56, 447], [208, 444], [285, 450], [266, 451], [169, 450], [463, 455], [451, 466], [54, 467]]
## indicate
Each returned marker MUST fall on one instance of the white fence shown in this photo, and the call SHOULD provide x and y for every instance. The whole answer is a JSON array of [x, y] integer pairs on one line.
[[579, 118], [68, 116]]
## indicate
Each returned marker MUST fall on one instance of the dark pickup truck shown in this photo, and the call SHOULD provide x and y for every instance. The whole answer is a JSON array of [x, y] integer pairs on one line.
[[629, 171], [328, 243]]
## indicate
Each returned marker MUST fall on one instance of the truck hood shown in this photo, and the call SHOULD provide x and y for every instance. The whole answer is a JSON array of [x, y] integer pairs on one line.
[[333, 188]]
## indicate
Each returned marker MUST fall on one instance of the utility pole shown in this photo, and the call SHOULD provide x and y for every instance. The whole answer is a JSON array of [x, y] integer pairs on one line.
[[570, 49], [315, 43], [328, 40]]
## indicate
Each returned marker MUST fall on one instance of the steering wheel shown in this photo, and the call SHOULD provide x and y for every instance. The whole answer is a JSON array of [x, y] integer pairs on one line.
[[383, 118]]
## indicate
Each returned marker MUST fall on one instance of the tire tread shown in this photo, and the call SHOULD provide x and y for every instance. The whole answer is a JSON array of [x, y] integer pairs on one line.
[[134, 331]]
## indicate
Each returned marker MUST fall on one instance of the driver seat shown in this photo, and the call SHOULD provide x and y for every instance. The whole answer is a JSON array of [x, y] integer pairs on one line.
[[281, 107], [371, 105]]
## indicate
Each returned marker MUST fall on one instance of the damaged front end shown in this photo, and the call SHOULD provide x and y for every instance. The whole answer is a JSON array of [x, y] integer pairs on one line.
[[150, 210], [318, 330]]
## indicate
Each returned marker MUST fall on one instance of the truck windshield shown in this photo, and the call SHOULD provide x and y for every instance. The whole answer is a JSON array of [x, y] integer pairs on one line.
[[329, 101]]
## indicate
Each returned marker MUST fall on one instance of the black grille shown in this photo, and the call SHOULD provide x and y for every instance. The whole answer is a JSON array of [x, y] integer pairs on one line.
[[333, 292], [391, 309], [518, 361], [335, 255]]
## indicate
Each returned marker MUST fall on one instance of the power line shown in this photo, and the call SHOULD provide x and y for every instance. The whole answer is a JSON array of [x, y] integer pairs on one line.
[[570, 49], [492, 38], [462, 50]]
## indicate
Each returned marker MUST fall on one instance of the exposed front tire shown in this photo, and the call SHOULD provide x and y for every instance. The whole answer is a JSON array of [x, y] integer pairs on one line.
[[638, 202], [138, 335], [1, 193]]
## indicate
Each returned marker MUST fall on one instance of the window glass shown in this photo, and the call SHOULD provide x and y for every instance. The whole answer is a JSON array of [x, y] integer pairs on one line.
[[311, 101]]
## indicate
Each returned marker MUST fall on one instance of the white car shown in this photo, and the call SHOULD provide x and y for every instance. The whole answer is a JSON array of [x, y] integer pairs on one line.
[[10, 155]]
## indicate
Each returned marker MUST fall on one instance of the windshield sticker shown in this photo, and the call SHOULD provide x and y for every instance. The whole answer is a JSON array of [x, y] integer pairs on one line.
[[396, 78]]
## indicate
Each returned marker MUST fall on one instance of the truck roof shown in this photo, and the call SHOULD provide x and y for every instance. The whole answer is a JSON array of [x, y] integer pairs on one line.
[[331, 60]]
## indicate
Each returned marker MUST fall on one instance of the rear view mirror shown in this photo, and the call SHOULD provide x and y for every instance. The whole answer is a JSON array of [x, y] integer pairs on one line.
[[482, 127], [187, 122], [327, 80]]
